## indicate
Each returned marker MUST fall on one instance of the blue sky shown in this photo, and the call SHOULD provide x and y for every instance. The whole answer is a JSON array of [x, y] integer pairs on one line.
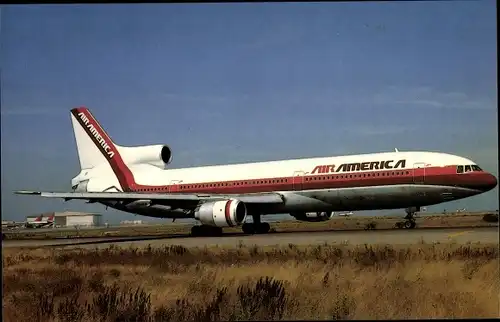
[[225, 83]]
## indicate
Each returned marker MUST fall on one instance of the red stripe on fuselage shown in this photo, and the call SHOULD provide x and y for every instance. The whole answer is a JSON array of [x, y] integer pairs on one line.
[[444, 176]]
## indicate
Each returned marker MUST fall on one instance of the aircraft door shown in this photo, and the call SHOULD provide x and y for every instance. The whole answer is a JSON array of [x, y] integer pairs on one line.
[[298, 180], [174, 186], [419, 173]]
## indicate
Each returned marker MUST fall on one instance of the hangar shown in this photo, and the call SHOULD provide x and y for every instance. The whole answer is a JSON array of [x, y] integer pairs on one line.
[[70, 219]]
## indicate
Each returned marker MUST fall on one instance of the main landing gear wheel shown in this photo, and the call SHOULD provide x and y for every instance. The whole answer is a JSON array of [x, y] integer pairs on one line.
[[206, 231], [257, 227]]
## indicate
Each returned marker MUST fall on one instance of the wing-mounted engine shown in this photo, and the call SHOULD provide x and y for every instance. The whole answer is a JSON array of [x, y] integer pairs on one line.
[[156, 155], [224, 213], [312, 216]]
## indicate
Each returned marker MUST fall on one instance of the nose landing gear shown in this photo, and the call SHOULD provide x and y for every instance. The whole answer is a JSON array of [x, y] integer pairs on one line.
[[410, 219]]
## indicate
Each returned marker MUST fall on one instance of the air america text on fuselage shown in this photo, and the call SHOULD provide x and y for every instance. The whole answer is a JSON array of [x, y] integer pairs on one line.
[[360, 166]]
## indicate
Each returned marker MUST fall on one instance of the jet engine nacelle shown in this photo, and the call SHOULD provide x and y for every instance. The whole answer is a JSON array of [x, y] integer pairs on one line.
[[225, 213], [313, 216], [156, 155]]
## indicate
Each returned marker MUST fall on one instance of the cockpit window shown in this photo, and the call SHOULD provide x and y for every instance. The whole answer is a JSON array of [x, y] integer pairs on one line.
[[468, 168]]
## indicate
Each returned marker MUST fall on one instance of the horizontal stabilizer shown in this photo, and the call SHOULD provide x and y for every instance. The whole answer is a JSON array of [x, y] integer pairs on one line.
[[258, 198]]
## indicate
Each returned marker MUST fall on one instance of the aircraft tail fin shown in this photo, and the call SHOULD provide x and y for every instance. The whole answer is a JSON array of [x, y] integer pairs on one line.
[[94, 145]]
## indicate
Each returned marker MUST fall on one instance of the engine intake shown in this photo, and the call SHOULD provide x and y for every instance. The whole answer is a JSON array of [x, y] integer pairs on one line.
[[166, 154], [225, 213], [312, 216]]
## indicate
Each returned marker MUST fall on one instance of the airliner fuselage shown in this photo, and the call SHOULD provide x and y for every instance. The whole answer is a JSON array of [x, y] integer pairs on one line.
[[358, 182]]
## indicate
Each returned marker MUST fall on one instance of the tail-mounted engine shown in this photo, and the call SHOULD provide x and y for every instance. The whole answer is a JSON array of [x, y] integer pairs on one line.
[[225, 213], [312, 216], [157, 155]]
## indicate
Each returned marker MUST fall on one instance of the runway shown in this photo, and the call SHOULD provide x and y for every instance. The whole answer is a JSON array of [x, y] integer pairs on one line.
[[394, 237]]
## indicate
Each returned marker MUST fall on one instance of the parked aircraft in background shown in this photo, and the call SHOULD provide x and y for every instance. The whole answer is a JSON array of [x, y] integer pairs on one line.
[[9, 224], [40, 222], [345, 214], [134, 179]]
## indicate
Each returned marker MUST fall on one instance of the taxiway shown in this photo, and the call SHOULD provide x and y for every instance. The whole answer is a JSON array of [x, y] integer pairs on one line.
[[394, 237]]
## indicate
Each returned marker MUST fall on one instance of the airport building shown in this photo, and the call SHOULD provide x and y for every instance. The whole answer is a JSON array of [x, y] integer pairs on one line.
[[70, 219]]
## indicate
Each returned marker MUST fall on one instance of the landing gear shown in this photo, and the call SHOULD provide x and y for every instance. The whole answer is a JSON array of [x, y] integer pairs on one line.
[[410, 224], [257, 227], [204, 230], [410, 219]]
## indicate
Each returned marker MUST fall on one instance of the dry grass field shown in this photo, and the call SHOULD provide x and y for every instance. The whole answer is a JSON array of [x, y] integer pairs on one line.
[[250, 283]]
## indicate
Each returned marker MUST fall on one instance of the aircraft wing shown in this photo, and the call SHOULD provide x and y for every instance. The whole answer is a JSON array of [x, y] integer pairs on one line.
[[251, 198]]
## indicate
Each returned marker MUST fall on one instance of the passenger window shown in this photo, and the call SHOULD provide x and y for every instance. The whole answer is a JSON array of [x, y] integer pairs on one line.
[[468, 168]]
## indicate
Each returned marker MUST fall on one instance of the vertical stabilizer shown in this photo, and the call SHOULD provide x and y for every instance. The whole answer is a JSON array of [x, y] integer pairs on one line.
[[93, 144], [95, 147]]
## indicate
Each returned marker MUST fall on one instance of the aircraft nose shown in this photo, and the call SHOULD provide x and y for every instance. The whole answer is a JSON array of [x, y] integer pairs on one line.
[[490, 182]]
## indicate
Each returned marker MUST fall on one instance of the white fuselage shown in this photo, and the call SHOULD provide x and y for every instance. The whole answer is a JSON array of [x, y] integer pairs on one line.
[[423, 179]]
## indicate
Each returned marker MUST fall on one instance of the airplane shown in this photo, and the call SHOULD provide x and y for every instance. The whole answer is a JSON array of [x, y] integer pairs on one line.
[[345, 214], [319, 216], [39, 222], [137, 180], [12, 224], [313, 216]]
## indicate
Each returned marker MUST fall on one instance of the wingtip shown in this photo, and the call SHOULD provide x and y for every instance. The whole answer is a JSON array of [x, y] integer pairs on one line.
[[27, 192]]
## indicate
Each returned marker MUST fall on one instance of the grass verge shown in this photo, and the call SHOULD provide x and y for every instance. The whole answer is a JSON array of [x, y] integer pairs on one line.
[[250, 283]]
